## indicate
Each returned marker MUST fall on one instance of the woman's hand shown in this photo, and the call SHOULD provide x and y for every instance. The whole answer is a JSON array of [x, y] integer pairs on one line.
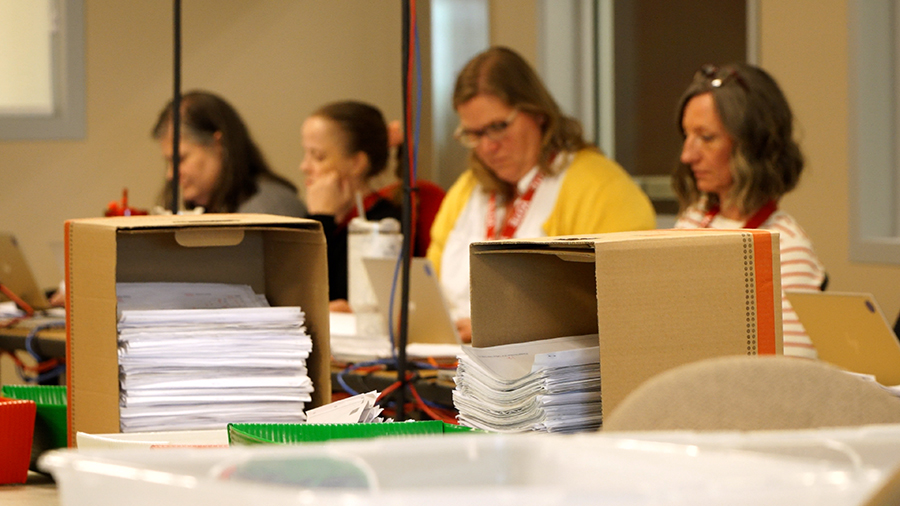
[[464, 328], [339, 306], [58, 299], [330, 194]]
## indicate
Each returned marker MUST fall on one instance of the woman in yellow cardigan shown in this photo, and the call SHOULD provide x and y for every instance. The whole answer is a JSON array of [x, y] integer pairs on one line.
[[530, 174]]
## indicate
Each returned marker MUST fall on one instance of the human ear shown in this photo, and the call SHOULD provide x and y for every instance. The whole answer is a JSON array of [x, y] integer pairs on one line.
[[217, 143], [359, 166]]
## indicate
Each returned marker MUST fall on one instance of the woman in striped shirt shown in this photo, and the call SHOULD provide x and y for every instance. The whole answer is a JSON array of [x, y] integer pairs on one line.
[[738, 159]]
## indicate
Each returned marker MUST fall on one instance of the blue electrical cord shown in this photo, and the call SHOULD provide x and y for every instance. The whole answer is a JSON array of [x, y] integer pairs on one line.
[[394, 280], [343, 382], [413, 174], [32, 334], [29, 347]]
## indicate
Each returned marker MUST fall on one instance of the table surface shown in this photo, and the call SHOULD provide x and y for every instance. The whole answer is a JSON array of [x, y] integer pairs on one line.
[[50, 342], [39, 490]]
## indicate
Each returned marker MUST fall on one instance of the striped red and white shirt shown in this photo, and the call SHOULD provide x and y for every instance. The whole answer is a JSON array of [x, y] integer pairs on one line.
[[801, 269]]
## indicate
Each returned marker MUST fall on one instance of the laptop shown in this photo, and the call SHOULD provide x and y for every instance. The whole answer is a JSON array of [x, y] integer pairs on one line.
[[17, 276], [850, 331], [429, 316]]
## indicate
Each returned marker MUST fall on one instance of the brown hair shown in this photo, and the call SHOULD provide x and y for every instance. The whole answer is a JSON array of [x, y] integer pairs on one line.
[[202, 115], [767, 161], [502, 73], [365, 130]]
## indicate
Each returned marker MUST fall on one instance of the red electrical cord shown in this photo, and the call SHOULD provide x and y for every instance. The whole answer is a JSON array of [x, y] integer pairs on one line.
[[427, 409], [410, 134], [18, 300], [33, 369]]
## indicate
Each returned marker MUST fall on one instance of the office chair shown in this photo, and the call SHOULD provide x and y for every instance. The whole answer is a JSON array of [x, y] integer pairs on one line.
[[753, 393], [897, 327]]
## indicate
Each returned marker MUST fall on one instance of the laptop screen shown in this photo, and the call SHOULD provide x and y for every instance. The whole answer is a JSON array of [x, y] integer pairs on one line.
[[429, 317], [850, 331], [16, 276]]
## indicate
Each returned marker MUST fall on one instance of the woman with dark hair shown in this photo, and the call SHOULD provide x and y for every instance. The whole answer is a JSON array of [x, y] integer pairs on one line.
[[738, 159], [221, 169], [345, 145], [530, 173]]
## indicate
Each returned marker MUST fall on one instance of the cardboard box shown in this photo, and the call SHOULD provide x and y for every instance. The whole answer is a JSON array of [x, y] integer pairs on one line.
[[283, 258], [658, 299]]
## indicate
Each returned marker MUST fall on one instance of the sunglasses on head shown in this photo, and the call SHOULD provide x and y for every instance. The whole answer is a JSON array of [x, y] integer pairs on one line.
[[719, 76]]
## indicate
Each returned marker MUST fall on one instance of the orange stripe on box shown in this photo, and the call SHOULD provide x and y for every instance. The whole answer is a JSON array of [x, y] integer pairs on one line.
[[765, 293], [70, 437]]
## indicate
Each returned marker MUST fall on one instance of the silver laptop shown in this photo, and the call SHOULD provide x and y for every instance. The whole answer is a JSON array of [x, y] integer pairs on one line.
[[429, 317], [17, 276], [850, 331]]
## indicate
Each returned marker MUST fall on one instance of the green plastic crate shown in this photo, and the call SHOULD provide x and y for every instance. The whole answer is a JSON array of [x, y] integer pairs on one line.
[[50, 423], [294, 433]]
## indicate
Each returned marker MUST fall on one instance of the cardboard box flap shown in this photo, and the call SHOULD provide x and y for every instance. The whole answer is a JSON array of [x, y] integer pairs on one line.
[[123, 223], [573, 243], [201, 237], [587, 242]]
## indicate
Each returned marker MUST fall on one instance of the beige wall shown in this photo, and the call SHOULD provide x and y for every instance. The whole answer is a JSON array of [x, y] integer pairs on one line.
[[279, 59], [275, 60], [804, 43], [514, 24]]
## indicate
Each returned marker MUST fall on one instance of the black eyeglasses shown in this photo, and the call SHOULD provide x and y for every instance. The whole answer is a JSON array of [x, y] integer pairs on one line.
[[495, 131], [719, 77]]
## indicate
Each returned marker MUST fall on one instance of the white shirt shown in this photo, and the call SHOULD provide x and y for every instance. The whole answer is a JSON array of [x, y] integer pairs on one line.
[[472, 226]]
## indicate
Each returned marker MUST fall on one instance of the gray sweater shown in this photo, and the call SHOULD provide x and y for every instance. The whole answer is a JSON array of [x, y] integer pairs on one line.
[[274, 198]]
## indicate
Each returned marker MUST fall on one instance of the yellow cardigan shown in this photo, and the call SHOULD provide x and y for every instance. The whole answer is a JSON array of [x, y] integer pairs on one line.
[[596, 196]]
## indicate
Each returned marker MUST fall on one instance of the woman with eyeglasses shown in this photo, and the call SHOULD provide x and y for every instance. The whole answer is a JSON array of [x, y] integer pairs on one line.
[[738, 159], [530, 174]]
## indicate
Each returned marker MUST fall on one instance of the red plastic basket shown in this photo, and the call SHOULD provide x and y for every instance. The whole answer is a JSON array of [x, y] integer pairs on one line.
[[16, 431]]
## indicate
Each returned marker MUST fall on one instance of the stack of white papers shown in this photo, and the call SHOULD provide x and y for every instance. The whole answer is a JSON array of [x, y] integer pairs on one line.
[[552, 385], [184, 368]]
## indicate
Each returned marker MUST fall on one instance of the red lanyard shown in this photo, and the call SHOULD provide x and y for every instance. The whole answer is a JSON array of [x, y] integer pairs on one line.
[[758, 218], [514, 216]]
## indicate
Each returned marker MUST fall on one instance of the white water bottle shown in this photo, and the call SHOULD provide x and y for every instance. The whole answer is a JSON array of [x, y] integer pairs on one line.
[[369, 239]]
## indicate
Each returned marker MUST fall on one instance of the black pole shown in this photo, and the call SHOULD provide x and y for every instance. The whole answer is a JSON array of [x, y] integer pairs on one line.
[[176, 107], [406, 225]]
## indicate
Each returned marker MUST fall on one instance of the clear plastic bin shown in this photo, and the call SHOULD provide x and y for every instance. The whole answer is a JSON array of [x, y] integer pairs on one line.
[[792, 468]]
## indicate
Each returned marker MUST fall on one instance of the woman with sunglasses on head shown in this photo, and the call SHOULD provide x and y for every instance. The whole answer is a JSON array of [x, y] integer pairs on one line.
[[530, 174], [738, 159]]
